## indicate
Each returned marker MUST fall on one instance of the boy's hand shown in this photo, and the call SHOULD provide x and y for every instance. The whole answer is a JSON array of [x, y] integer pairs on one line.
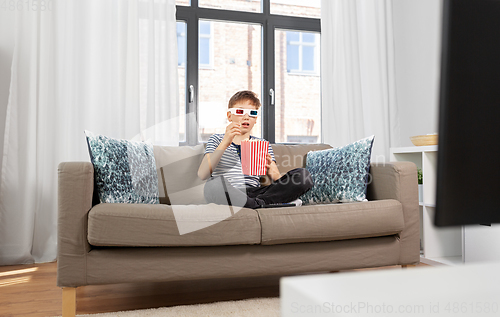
[[271, 168], [231, 130], [269, 160]]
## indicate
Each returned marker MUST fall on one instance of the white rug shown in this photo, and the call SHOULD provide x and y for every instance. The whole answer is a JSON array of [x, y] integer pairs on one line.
[[261, 307]]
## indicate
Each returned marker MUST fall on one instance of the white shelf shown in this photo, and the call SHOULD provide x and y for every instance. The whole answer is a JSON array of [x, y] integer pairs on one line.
[[440, 246], [414, 149]]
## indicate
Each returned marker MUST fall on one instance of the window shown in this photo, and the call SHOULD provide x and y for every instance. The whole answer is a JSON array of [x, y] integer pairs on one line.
[[298, 88], [228, 46], [302, 52], [237, 5], [238, 67], [181, 43], [205, 44], [301, 8]]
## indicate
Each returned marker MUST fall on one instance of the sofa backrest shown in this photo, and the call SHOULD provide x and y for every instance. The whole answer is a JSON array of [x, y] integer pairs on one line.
[[177, 169], [290, 156]]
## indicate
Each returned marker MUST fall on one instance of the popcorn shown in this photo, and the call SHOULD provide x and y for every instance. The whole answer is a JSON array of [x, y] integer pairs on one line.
[[253, 157]]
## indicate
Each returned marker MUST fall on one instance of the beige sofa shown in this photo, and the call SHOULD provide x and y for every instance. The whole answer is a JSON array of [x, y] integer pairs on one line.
[[118, 243]]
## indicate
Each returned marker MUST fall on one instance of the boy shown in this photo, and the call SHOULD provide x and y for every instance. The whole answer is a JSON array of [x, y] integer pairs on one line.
[[222, 164]]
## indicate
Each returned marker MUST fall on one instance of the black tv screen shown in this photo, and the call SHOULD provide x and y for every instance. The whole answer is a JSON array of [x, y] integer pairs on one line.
[[468, 175]]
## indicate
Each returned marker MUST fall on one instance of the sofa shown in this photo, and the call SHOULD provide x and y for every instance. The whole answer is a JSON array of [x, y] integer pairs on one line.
[[124, 243]]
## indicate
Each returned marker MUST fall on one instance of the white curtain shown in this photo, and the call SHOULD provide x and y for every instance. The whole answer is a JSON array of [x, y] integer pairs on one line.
[[358, 75], [108, 66]]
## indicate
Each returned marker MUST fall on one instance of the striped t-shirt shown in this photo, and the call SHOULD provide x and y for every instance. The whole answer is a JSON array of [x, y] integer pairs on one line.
[[230, 162]]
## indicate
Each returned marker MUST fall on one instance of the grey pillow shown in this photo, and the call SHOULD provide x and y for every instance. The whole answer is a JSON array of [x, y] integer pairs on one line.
[[124, 171], [340, 174]]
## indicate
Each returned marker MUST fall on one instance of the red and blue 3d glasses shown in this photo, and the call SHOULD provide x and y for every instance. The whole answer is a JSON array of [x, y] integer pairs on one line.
[[241, 112]]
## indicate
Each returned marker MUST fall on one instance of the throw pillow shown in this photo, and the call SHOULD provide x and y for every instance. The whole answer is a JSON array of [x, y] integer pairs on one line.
[[124, 171], [339, 174]]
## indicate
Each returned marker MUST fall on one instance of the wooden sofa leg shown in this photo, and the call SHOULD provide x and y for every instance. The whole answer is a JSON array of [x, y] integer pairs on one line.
[[407, 266], [69, 302]]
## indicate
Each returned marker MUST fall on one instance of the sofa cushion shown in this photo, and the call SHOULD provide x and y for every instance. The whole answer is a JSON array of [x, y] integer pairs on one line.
[[177, 168], [124, 170], [159, 225], [330, 222]]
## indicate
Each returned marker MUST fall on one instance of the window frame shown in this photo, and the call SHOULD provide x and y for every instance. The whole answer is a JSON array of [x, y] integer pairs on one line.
[[269, 22]]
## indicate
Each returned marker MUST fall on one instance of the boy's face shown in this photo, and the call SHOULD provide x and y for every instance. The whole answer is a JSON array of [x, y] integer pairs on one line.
[[245, 120]]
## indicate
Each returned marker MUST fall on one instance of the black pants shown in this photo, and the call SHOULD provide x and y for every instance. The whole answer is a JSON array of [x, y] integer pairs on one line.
[[289, 187]]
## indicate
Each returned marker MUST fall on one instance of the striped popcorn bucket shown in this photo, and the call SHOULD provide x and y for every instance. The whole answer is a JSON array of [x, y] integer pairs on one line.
[[253, 157]]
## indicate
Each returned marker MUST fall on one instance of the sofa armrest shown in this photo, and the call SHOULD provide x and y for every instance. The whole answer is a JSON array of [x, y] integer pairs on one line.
[[75, 191], [398, 180]]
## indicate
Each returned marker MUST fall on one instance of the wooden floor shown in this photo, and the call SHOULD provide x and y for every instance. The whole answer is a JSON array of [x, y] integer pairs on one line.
[[30, 290]]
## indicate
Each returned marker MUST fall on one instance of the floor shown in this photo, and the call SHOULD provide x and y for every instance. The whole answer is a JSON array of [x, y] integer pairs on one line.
[[30, 290]]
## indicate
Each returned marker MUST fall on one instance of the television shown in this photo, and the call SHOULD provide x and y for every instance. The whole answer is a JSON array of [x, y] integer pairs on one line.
[[468, 174]]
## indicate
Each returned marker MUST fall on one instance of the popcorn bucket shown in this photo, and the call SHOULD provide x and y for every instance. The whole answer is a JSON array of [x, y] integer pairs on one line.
[[253, 157]]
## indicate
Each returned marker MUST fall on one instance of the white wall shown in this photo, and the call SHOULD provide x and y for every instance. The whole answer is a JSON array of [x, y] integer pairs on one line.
[[7, 22], [417, 33]]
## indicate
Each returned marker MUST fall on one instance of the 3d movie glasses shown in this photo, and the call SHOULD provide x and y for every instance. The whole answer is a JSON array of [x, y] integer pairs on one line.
[[241, 112]]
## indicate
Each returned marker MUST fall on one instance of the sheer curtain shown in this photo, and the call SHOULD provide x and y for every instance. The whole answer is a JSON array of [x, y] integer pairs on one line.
[[358, 75], [108, 66]]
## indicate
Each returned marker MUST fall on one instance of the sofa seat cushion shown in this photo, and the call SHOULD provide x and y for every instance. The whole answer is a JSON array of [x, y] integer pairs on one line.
[[164, 225], [331, 222]]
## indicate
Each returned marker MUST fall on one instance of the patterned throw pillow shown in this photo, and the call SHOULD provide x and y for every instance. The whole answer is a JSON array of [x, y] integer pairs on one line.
[[124, 171], [339, 174]]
